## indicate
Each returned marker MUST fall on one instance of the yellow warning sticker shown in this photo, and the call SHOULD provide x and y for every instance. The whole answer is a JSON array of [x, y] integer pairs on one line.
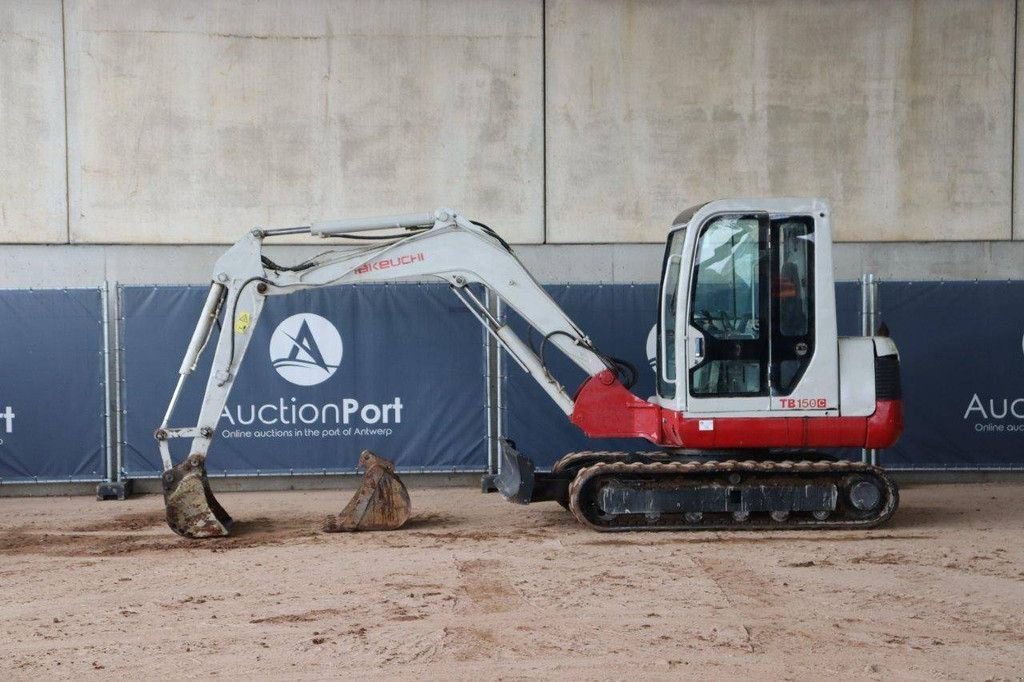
[[242, 322]]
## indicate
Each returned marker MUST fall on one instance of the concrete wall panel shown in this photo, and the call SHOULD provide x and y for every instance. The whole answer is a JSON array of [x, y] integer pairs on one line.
[[1018, 131], [33, 189], [87, 265], [193, 121], [899, 112]]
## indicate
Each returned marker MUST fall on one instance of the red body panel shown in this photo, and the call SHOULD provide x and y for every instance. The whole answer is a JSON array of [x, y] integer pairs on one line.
[[606, 409]]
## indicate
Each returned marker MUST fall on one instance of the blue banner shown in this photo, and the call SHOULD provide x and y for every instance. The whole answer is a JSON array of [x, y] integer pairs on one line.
[[848, 317], [396, 368], [52, 392], [619, 319], [962, 363], [410, 363]]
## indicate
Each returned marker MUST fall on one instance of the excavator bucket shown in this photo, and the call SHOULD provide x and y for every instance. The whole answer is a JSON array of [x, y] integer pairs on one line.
[[192, 510], [381, 503]]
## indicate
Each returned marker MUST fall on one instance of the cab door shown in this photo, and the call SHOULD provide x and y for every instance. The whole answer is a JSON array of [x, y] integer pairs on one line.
[[728, 349]]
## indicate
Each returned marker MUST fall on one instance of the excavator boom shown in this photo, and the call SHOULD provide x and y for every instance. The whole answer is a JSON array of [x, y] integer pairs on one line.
[[440, 245]]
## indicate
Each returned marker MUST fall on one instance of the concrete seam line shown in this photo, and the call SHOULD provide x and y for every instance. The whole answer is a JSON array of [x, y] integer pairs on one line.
[[67, 151]]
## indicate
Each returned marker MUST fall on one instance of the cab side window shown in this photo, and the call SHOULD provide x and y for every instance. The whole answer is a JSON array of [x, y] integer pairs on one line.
[[728, 309], [792, 298], [669, 311]]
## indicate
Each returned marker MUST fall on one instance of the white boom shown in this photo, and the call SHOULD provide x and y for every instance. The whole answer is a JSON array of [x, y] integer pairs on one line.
[[441, 244]]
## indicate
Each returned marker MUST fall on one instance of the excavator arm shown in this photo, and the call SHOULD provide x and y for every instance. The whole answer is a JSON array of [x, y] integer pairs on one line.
[[442, 245]]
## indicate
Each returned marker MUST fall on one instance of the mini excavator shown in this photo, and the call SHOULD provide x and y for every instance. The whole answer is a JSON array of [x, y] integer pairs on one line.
[[754, 385]]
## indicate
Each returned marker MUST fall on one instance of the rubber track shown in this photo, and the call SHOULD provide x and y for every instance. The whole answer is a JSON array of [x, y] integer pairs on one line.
[[584, 458], [607, 456], [675, 469]]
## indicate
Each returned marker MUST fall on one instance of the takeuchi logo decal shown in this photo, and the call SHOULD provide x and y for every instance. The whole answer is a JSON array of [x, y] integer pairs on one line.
[[388, 263], [306, 349]]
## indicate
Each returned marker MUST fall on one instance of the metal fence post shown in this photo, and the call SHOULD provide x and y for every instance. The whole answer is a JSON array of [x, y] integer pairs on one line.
[[499, 384], [119, 379], [492, 355], [108, 413], [116, 487]]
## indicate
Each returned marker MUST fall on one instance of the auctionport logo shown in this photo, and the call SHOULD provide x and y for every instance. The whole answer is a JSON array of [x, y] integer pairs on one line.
[[306, 349], [995, 414], [6, 422]]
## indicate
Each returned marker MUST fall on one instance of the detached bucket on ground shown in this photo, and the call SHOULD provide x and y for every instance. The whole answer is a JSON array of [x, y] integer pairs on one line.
[[381, 503], [192, 510]]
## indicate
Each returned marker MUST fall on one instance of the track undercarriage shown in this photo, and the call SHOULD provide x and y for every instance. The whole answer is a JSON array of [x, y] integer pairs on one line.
[[621, 491]]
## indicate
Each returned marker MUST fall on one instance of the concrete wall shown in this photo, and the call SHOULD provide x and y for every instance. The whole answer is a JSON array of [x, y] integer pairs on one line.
[[88, 265], [558, 122], [1018, 139], [33, 182], [900, 112], [192, 121]]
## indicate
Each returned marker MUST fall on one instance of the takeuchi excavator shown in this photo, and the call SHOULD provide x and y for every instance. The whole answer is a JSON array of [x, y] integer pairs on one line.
[[754, 386]]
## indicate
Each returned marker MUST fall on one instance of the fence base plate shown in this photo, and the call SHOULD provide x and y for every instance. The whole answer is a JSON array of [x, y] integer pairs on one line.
[[114, 490]]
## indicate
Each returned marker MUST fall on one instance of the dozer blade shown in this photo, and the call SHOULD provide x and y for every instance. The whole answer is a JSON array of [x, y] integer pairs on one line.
[[518, 482], [192, 510], [515, 477], [381, 503]]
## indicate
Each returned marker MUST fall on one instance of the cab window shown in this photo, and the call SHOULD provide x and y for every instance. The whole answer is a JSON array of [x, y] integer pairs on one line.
[[667, 318], [729, 308], [793, 300]]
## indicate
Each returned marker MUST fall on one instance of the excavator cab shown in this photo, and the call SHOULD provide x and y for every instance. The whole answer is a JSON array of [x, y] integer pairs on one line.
[[747, 320], [754, 391]]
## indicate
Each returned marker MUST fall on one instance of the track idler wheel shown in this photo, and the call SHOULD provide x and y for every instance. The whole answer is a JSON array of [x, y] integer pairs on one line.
[[192, 510], [381, 503]]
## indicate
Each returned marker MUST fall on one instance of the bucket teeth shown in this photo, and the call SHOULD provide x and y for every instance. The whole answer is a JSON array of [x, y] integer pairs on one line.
[[381, 503], [192, 510]]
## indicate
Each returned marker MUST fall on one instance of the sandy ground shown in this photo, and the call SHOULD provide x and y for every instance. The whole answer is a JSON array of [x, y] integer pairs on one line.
[[476, 587]]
